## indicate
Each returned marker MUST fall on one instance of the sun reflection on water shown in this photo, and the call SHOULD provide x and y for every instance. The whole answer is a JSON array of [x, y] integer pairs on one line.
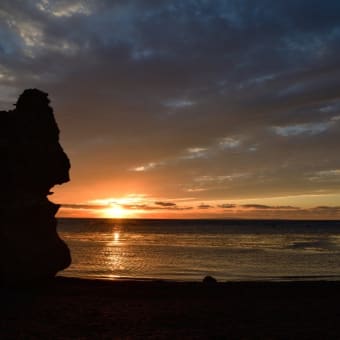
[[116, 236]]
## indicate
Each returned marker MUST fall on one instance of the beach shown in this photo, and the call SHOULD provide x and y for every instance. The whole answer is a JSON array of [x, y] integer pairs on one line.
[[69, 308]]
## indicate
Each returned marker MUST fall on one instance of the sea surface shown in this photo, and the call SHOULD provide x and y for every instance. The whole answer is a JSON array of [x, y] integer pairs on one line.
[[188, 250]]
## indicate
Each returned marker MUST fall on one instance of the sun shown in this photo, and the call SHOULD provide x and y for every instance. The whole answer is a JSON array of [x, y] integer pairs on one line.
[[115, 212]]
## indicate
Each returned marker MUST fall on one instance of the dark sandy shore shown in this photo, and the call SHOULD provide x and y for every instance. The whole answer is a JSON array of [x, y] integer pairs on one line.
[[85, 309]]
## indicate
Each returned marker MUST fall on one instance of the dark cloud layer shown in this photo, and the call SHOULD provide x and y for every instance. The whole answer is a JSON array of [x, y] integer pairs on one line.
[[84, 206], [219, 99], [148, 207], [226, 210], [166, 204]]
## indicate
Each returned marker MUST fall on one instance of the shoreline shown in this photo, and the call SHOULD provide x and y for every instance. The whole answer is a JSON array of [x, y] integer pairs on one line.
[[277, 279], [87, 308]]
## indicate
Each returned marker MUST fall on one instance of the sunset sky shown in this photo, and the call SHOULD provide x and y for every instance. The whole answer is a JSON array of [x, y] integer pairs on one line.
[[185, 109]]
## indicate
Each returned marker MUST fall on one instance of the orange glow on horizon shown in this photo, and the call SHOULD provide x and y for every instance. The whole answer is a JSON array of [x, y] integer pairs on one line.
[[147, 206], [115, 212]]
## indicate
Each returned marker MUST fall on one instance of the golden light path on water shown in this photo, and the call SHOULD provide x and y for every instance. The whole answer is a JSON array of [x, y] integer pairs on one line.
[[114, 259], [116, 236]]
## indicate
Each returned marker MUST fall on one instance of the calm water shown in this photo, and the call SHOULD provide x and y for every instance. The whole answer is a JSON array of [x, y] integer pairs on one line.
[[191, 249]]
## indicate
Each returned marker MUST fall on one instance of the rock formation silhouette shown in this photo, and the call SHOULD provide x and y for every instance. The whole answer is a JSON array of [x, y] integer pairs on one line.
[[32, 162]]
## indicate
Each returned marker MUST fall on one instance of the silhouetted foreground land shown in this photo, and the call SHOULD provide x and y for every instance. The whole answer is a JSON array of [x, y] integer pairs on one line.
[[32, 163], [74, 308]]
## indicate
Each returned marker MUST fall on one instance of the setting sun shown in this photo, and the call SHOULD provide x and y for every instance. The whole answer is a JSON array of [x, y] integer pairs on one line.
[[115, 212]]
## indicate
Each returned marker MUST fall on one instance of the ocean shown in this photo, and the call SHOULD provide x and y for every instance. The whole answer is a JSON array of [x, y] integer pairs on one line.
[[188, 250]]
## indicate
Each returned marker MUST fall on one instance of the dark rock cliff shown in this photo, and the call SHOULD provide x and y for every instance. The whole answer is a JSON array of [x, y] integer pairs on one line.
[[32, 162]]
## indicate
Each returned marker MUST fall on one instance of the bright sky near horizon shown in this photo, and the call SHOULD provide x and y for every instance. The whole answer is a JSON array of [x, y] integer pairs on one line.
[[185, 109]]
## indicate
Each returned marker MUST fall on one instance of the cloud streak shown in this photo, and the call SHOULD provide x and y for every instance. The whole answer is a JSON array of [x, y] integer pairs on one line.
[[164, 206]]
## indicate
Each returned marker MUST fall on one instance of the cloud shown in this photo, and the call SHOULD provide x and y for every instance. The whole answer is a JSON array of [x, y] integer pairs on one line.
[[178, 103], [194, 153], [204, 206], [334, 209], [166, 204], [224, 210], [135, 206], [84, 206], [221, 178], [229, 143], [255, 206], [146, 167], [157, 207], [308, 129], [265, 207], [227, 206], [332, 175], [64, 8]]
